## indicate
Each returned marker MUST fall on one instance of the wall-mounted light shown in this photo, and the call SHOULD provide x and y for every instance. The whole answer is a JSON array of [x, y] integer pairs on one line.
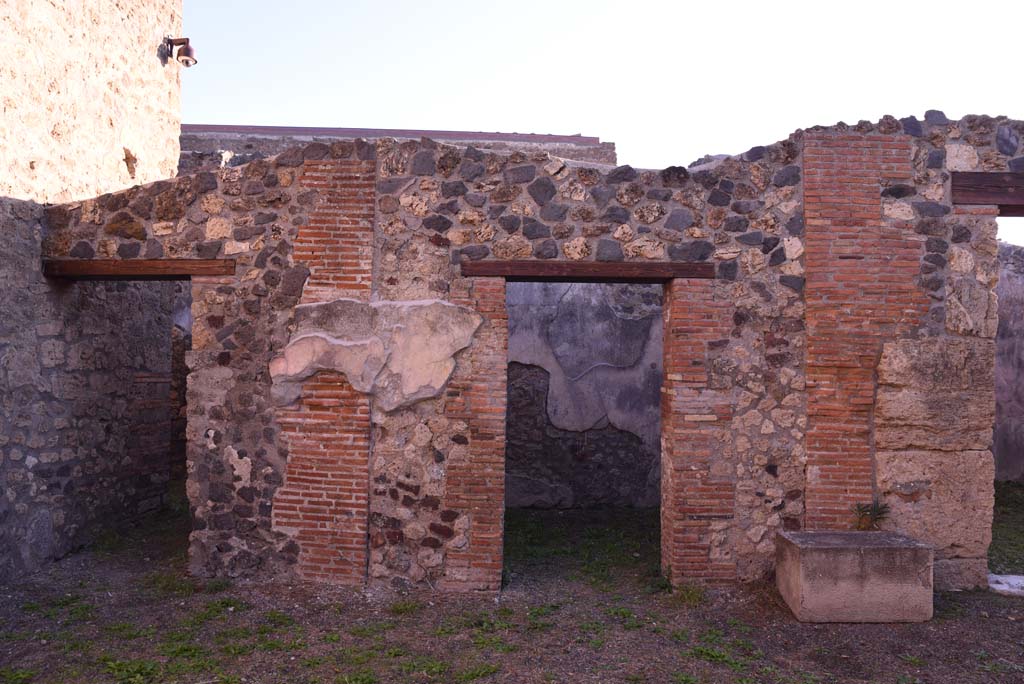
[[186, 53]]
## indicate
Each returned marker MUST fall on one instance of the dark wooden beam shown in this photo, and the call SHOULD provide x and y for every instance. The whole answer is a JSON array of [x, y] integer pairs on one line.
[[136, 269], [1003, 189], [588, 271]]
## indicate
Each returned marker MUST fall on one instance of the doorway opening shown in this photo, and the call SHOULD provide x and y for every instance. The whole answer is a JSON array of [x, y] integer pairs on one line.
[[583, 425]]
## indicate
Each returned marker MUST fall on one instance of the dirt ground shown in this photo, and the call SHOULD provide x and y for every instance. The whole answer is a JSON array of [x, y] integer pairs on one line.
[[583, 603]]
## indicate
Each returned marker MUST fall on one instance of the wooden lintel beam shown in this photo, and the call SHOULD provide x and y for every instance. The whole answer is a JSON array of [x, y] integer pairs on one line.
[[587, 271], [136, 269], [1006, 190]]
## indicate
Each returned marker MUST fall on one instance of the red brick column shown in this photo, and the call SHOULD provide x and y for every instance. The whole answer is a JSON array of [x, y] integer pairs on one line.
[[860, 291], [324, 501], [694, 420], [337, 243], [477, 395]]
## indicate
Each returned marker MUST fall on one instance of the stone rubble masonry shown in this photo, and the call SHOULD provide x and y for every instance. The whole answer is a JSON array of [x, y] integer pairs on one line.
[[212, 146], [882, 254]]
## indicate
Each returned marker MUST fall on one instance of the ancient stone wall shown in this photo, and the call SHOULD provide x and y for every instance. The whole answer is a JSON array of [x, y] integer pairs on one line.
[[843, 351], [210, 147], [1008, 443], [84, 413], [89, 107]]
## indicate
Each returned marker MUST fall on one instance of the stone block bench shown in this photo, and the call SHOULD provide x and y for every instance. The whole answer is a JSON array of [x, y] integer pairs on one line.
[[854, 576]]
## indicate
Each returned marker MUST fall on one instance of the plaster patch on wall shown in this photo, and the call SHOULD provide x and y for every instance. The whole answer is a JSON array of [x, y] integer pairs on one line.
[[400, 352]]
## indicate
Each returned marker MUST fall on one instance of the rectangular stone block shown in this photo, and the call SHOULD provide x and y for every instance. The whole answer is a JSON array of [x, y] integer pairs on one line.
[[854, 576]]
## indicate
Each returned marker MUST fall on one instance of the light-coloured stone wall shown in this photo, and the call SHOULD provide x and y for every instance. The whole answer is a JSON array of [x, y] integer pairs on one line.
[[88, 105]]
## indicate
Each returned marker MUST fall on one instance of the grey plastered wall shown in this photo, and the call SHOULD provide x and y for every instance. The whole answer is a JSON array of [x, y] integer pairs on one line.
[[1008, 441], [584, 387]]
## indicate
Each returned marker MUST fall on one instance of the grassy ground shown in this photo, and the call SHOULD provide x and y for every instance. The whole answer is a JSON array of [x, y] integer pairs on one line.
[[582, 603], [1006, 554]]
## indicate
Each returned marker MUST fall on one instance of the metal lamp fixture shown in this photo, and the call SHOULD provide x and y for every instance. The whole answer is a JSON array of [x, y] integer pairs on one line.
[[186, 53]]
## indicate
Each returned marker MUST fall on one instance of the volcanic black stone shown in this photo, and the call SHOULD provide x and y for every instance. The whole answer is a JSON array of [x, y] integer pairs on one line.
[[1016, 164], [450, 207], [206, 181], [471, 170], [554, 211], [601, 194], [936, 259], [316, 150], [290, 157], [679, 219], [736, 224], [754, 238], [899, 191], [264, 217], [82, 250], [660, 194], [754, 154], [520, 174], [437, 222], [454, 189], [675, 176], [542, 190], [475, 252], [609, 250], [476, 199], [777, 257], [532, 229], [930, 226], [930, 209], [699, 250], [473, 153], [935, 117], [154, 249], [208, 250], [496, 210], [389, 186], [1007, 141], [616, 214], [961, 234], [795, 283], [622, 174], [423, 163], [936, 159], [727, 270], [547, 249], [769, 243], [746, 206], [787, 175], [937, 245], [932, 283], [911, 126], [509, 224], [719, 198]]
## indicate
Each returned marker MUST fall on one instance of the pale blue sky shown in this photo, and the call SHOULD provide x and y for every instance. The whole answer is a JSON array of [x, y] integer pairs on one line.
[[666, 81]]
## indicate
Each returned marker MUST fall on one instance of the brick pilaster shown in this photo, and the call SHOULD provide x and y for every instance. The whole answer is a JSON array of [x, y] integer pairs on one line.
[[860, 291], [475, 484], [694, 420], [324, 502], [337, 243]]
